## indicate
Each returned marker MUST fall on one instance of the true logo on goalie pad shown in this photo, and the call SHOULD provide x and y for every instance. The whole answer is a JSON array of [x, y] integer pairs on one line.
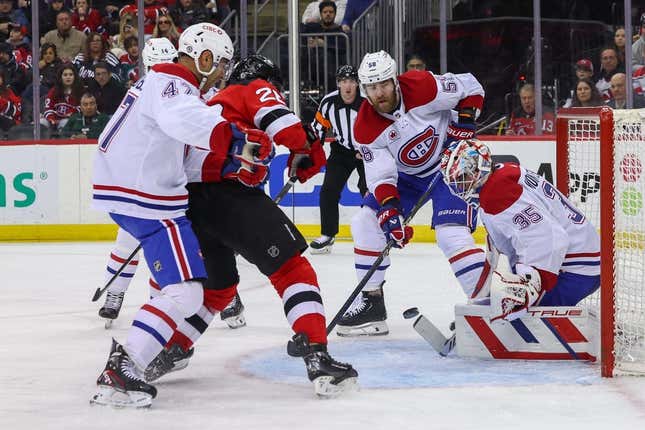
[[546, 333]]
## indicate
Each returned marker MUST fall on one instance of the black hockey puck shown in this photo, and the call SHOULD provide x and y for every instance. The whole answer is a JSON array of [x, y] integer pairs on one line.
[[410, 313]]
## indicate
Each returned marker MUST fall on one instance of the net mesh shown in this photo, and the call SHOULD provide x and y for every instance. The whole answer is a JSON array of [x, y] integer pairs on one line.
[[629, 222]]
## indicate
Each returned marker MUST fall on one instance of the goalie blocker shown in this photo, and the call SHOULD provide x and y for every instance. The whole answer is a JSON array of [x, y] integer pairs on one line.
[[544, 333]]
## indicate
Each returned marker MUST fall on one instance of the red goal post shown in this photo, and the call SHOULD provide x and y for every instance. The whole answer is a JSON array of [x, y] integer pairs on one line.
[[599, 158]]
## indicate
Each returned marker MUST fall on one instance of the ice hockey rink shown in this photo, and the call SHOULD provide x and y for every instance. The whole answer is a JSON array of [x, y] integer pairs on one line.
[[54, 346]]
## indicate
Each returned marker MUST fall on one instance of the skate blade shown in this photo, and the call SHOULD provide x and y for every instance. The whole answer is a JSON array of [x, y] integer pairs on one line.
[[325, 389], [378, 328], [236, 321], [325, 250], [108, 396]]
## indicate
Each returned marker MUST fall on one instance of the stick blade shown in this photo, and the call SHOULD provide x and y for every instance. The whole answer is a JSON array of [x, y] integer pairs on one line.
[[97, 294], [432, 335]]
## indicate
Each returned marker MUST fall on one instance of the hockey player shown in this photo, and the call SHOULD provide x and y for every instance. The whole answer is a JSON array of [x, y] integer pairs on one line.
[[224, 214], [553, 250], [156, 51], [139, 179], [401, 131]]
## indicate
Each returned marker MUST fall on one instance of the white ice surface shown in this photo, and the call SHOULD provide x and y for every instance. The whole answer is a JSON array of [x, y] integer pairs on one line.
[[54, 346]]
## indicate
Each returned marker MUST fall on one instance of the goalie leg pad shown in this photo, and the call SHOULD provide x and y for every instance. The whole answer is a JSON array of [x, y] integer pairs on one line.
[[511, 295]]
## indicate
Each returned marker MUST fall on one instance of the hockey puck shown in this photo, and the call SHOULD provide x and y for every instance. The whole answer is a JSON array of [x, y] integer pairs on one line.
[[410, 313]]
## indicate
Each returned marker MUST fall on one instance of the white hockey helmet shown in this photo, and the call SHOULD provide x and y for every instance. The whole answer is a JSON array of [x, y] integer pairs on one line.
[[206, 37], [377, 67], [158, 50], [465, 166]]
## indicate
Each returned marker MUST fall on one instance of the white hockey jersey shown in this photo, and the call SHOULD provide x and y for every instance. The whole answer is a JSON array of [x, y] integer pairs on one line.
[[411, 139], [530, 222], [139, 165]]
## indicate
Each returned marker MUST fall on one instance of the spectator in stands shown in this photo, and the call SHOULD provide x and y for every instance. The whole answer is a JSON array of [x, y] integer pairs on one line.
[[584, 69], [87, 19], [608, 68], [130, 61], [8, 16], [312, 12], [48, 65], [69, 41], [586, 95], [107, 90], [165, 27], [88, 123], [16, 75], [21, 46], [48, 16], [618, 89], [10, 105], [153, 9], [353, 10], [327, 10], [63, 100], [619, 45], [522, 121], [189, 12], [415, 63], [638, 47], [95, 50], [127, 28]]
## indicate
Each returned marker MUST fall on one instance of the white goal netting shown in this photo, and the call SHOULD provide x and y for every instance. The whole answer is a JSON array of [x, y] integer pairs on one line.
[[628, 184]]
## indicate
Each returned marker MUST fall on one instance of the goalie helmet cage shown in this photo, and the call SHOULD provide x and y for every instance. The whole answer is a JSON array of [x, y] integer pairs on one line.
[[599, 158]]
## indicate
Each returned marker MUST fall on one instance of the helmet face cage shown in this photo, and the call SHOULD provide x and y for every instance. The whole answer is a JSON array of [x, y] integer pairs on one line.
[[376, 67], [465, 167], [256, 67]]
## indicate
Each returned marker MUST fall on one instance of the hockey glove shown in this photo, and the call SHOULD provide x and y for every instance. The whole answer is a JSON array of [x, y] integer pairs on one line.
[[250, 153], [391, 221], [464, 128], [306, 163], [511, 295]]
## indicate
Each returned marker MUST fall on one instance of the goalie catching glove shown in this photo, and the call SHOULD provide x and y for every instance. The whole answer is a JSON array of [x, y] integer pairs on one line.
[[511, 295], [249, 155], [309, 160]]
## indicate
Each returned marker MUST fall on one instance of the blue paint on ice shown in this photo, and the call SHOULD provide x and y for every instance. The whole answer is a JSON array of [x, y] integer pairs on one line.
[[393, 363]]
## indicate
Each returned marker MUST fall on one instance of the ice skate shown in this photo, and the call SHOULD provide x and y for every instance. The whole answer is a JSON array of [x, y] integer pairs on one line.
[[112, 307], [233, 313], [168, 360], [330, 377], [119, 385], [322, 245], [366, 317]]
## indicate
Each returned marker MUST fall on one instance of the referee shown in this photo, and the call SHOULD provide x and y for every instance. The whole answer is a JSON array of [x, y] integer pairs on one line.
[[337, 113]]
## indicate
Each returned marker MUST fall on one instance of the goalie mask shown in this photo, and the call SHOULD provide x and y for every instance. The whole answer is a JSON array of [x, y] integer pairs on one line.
[[465, 166]]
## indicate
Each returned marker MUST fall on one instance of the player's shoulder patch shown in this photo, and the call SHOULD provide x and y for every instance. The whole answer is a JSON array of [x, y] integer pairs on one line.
[[502, 188], [418, 88], [175, 69], [369, 124]]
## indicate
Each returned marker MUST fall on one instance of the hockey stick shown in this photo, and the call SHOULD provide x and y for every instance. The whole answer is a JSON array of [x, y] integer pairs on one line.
[[285, 189], [99, 291], [431, 334], [381, 256]]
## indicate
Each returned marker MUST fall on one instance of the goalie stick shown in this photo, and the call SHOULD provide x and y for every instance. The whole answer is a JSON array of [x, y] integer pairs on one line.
[[428, 331]]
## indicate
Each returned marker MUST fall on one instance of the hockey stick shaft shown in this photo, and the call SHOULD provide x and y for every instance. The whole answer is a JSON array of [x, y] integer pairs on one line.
[[99, 291], [285, 189], [381, 257]]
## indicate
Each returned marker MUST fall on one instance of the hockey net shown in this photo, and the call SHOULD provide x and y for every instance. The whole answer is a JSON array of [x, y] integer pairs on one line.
[[603, 146]]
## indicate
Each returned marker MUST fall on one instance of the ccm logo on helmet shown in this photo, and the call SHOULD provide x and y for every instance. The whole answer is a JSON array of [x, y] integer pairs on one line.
[[420, 149]]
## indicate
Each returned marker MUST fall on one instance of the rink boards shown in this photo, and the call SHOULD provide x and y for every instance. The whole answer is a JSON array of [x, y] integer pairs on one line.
[[45, 189]]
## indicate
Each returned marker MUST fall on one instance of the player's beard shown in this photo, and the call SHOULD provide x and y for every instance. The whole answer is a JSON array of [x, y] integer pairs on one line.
[[385, 104]]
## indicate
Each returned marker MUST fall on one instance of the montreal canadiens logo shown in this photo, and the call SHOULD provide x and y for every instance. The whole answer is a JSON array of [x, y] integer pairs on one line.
[[420, 148]]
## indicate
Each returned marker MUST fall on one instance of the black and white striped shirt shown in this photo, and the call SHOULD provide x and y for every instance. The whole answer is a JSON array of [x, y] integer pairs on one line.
[[335, 115]]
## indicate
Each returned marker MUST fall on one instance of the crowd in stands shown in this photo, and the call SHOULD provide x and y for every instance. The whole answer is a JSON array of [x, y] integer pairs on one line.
[[88, 57]]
